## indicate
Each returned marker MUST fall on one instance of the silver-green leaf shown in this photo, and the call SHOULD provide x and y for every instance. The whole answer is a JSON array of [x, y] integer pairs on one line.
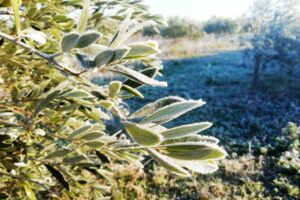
[[69, 41], [172, 111], [114, 88], [95, 144], [137, 76], [142, 134], [87, 39], [186, 130], [140, 51], [193, 151], [152, 107], [164, 161], [104, 58]]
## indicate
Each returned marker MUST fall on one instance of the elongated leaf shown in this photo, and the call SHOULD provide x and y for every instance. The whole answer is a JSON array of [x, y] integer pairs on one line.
[[28, 190], [15, 6], [193, 151], [95, 114], [76, 94], [5, 146], [43, 103], [119, 54], [69, 41], [58, 154], [79, 131], [116, 41], [83, 20], [132, 91], [152, 107], [74, 159], [4, 195], [137, 76], [191, 138], [199, 166], [150, 72], [172, 111], [142, 134], [185, 130], [167, 163], [92, 135], [114, 88], [95, 144], [140, 51], [135, 29], [87, 39], [102, 157], [4, 138], [58, 176], [104, 58]]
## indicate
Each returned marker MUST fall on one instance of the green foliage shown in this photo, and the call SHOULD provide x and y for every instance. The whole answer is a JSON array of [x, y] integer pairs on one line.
[[275, 41], [54, 143], [219, 26], [177, 28]]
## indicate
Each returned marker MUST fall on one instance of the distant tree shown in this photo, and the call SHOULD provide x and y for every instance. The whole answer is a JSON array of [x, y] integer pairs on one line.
[[151, 31], [276, 39], [182, 28], [220, 26]]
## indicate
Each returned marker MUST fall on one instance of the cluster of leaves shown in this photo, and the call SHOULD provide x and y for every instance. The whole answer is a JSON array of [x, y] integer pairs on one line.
[[220, 26], [53, 137], [288, 162], [177, 28], [276, 39]]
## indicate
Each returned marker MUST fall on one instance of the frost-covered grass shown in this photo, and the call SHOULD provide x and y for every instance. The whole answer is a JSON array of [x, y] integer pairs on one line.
[[238, 113]]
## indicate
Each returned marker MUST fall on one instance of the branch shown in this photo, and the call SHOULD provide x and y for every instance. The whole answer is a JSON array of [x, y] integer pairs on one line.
[[49, 58], [57, 65]]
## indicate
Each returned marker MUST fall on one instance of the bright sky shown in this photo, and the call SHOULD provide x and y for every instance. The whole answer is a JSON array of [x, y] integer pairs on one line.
[[199, 9]]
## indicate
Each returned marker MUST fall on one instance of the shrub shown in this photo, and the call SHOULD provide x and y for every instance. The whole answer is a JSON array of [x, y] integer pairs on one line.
[[220, 26], [54, 143], [181, 28], [276, 39]]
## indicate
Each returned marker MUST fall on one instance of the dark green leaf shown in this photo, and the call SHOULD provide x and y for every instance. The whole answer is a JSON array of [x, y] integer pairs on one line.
[[58, 176]]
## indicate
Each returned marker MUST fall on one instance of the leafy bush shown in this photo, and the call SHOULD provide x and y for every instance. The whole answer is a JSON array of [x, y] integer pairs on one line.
[[276, 39], [53, 137], [181, 28], [220, 26]]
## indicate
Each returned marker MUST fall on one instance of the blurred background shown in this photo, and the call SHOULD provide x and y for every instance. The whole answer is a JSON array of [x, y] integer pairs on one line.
[[243, 59]]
